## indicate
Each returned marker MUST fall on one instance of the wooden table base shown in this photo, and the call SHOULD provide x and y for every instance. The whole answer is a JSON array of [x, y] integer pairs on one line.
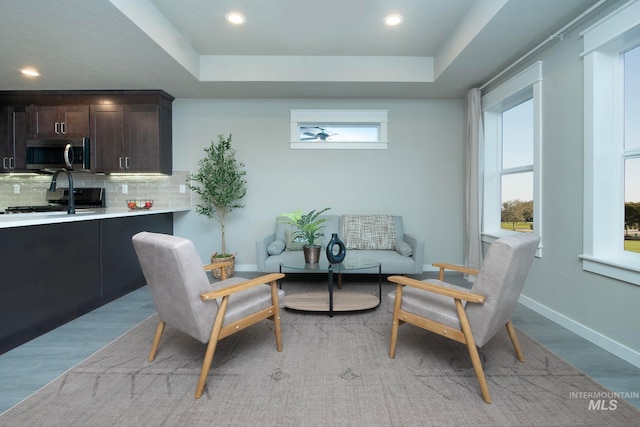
[[342, 301]]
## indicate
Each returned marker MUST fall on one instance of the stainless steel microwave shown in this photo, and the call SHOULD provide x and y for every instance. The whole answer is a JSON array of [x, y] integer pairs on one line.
[[58, 153]]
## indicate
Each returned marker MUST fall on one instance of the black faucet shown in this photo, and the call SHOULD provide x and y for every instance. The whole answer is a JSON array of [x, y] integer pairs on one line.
[[72, 199]]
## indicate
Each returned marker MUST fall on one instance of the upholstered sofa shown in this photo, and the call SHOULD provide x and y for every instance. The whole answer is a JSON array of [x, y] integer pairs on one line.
[[379, 237]]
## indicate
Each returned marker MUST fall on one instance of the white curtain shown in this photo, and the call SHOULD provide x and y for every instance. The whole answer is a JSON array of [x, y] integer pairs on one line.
[[474, 149]]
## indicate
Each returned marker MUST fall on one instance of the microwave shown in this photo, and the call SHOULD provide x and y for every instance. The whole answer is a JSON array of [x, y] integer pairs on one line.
[[58, 154]]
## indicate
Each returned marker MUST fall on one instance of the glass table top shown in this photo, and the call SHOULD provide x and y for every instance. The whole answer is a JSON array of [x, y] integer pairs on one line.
[[324, 266]]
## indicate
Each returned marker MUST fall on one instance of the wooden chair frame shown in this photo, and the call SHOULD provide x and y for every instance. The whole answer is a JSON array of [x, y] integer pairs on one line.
[[219, 332], [463, 335]]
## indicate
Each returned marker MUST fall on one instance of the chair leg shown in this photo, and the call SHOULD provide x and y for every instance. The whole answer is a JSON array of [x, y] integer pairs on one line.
[[511, 330], [156, 341], [211, 347], [395, 322], [473, 351], [276, 316]]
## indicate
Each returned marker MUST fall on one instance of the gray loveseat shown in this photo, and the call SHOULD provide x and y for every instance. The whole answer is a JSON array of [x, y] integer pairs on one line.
[[379, 237]]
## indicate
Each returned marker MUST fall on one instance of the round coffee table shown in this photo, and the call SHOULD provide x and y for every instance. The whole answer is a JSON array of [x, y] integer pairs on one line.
[[331, 301]]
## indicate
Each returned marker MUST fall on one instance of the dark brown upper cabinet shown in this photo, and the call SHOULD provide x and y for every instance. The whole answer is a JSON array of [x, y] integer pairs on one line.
[[15, 129], [66, 121]]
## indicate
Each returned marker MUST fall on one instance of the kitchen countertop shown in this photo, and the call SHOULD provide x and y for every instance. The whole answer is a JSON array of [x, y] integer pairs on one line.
[[42, 218]]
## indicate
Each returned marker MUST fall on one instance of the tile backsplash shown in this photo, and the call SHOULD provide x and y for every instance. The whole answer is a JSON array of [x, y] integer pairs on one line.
[[164, 190]]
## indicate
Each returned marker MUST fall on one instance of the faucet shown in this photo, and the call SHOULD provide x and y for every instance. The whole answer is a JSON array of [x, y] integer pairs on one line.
[[72, 199]]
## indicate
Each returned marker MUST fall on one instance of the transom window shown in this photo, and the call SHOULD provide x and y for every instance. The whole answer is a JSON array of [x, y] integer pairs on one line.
[[338, 129]]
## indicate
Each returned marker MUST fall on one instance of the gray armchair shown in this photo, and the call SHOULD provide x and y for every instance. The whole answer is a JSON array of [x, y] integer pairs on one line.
[[186, 300], [471, 317]]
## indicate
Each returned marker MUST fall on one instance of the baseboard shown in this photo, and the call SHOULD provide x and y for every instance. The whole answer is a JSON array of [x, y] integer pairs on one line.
[[625, 353]]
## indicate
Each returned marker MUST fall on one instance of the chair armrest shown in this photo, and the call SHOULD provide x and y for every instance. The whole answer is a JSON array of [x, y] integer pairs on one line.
[[461, 269], [219, 293], [437, 289], [220, 264]]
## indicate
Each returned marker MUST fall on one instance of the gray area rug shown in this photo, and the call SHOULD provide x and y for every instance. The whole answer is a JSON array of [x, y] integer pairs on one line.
[[332, 371]]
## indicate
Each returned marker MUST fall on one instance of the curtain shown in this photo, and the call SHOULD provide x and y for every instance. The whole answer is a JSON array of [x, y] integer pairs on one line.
[[473, 206]]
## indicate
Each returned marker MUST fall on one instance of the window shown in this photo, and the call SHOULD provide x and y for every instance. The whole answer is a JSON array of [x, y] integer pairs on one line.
[[512, 156], [339, 129], [612, 145]]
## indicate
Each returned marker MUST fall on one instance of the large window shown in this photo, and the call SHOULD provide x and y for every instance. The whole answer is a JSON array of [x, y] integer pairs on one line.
[[612, 145], [512, 156]]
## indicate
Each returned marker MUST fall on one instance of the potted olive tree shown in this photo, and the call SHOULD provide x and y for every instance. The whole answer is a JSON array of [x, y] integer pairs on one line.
[[220, 183]]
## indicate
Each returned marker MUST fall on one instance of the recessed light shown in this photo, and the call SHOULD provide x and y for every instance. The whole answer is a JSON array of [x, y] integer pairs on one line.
[[393, 19], [235, 18], [30, 72]]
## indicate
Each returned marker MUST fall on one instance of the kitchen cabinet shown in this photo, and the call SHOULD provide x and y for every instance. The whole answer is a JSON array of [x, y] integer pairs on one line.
[[53, 273], [15, 127], [60, 121], [131, 138]]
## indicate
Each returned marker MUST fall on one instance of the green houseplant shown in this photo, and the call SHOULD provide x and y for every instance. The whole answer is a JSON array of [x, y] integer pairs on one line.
[[308, 229], [220, 183]]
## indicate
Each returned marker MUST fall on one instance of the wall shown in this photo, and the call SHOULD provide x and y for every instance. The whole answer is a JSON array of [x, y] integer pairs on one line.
[[420, 176], [600, 309]]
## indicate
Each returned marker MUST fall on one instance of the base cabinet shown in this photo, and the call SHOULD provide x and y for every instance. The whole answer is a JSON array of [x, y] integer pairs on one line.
[[57, 272]]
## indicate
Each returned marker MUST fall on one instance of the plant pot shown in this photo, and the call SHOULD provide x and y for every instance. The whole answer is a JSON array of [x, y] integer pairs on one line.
[[311, 254], [229, 269]]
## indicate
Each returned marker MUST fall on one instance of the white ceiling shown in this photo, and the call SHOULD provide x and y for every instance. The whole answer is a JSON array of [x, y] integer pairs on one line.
[[286, 49]]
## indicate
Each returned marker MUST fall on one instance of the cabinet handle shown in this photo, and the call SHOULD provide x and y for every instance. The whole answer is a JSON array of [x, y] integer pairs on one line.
[[56, 128], [63, 128], [120, 162], [12, 162], [5, 163], [127, 163]]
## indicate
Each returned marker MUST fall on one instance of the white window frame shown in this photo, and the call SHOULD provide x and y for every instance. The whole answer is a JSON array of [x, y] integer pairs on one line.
[[603, 234], [329, 117], [524, 86]]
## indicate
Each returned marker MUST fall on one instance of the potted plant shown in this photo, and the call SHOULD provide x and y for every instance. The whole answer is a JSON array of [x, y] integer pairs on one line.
[[220, 183], [308, 229]]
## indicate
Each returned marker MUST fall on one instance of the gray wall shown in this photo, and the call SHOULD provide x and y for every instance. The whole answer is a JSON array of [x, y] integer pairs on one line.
[[602, 310], [420, 176]]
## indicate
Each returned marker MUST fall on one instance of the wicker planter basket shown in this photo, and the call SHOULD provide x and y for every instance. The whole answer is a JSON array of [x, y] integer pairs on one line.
[[229, 269]]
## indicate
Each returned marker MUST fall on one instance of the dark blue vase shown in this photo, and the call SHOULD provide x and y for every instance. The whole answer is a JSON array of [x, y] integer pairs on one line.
[[335, 258]]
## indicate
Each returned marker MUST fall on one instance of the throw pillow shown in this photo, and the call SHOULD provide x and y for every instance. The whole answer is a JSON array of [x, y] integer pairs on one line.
[[289, 244], [275, 248], [368, 232], [403, 248]]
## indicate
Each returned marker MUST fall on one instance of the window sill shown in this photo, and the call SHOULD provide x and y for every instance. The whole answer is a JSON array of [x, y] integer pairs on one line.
[[334, 145], [617, 269]]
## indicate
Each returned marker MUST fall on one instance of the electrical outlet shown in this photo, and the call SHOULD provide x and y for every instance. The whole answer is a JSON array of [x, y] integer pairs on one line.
[[125, 188], [16, 189], [183, 188]]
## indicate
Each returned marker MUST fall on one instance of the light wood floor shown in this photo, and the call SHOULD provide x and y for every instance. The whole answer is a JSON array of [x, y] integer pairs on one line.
[[29, 367]]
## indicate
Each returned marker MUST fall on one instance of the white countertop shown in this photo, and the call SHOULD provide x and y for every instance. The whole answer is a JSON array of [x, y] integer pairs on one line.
[[41, 218]]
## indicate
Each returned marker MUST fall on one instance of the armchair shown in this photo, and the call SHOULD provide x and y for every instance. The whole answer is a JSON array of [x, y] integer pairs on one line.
[[474, 316], [185, 299]]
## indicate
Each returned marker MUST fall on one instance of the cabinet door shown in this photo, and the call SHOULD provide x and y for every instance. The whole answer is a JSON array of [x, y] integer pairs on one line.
[[142, 138], [15, 127], [46, 121], [69, 121], [75, 121], [107, 138]]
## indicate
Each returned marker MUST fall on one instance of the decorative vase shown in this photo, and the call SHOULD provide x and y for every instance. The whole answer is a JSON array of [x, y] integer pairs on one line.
[[336, 258], [311, 254], [229, 269]]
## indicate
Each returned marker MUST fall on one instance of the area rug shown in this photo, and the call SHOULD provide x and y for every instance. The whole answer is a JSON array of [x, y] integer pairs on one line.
[[333, 371]]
